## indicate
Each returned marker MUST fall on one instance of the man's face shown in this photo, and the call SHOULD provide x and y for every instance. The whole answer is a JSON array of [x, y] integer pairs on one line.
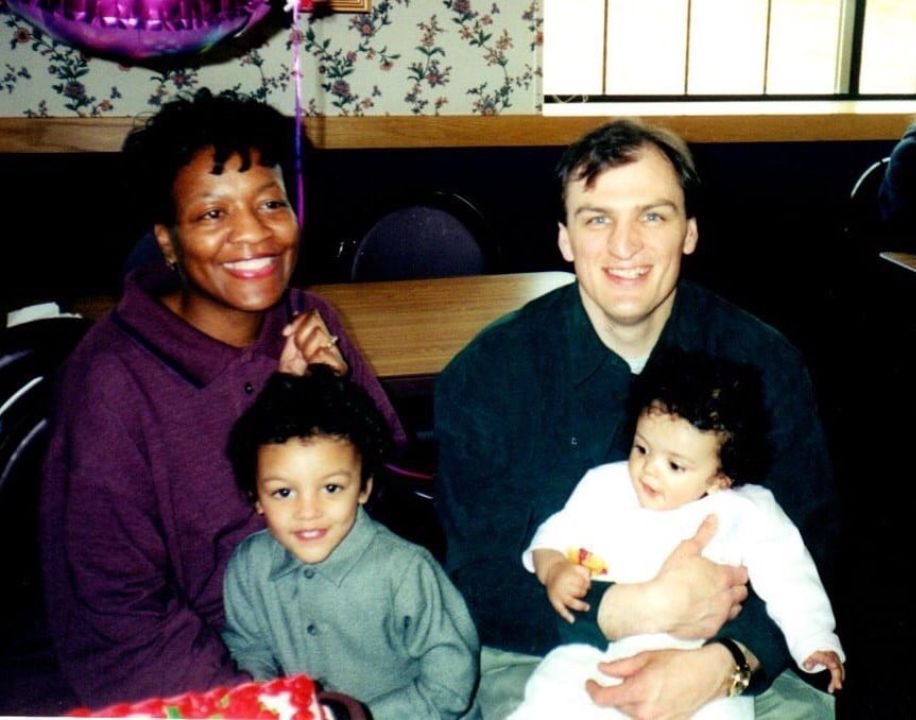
[[625, 236]]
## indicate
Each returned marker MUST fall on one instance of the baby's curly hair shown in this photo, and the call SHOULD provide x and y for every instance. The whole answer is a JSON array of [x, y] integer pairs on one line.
[[713, 395], [319, 404], [231, 123]]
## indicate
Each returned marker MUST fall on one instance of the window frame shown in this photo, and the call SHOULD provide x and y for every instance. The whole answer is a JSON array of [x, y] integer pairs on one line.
[[847, 82]]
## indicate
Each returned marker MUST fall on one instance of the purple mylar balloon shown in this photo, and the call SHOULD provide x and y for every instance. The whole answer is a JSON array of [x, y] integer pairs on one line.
[[138, 29]]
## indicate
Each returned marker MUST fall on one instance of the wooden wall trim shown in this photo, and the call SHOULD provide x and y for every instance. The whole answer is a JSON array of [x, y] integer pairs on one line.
[[534, 130], [62, 135]]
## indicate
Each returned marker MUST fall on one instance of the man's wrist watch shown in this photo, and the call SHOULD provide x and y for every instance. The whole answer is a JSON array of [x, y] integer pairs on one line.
[[741, 675]]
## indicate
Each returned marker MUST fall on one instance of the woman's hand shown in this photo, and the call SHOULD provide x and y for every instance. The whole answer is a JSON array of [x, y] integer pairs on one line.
[[309, 341]]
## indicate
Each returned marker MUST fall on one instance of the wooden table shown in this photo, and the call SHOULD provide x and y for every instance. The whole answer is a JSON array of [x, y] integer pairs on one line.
[[414, 327], [905, 260]]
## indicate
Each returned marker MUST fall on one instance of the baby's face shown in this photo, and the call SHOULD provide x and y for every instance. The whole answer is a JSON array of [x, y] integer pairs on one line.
[[673, 463], [308, 492]]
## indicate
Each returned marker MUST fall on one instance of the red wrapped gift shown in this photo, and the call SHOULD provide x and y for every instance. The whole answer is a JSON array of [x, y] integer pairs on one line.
[[288, 698]]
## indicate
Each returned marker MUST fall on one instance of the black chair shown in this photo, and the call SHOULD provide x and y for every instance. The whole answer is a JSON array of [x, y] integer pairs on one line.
[[441, 235], [144, 252], [402, 500], [862, 222], [343, 706], [29, 356]]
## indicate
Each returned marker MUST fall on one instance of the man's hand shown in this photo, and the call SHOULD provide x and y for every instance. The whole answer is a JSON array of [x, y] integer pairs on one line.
[[691, 597], [665, 684], [309, 341], [832, 662], [700, 594]]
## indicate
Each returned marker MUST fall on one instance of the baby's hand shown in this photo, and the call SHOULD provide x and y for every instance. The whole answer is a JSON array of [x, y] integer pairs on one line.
[[832, 662], [566, 583]]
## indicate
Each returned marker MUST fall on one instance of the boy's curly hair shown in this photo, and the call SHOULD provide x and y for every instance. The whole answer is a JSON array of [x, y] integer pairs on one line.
[[319, 404], [713, 395]]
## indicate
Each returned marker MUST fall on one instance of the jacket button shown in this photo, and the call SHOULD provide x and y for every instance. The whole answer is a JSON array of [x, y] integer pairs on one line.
[[249, 388]]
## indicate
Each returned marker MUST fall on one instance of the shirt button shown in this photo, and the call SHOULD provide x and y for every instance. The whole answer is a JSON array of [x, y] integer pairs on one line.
[[249, 388], [312, 629], [309, 574]]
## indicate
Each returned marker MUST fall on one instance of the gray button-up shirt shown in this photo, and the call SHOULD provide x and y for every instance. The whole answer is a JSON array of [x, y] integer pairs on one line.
[[378, 620]]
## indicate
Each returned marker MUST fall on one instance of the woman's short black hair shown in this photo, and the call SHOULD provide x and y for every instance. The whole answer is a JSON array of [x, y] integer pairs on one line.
[[230, 123], [619, 143], [319, 404], [713, 395]]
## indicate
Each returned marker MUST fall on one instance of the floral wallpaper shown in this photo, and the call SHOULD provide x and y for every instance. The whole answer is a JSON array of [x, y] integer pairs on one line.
[[420, 57]]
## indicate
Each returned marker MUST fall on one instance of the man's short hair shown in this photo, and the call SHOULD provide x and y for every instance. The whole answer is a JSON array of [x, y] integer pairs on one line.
[[619, 143], [713, 395], [230, 123], [319, 404]]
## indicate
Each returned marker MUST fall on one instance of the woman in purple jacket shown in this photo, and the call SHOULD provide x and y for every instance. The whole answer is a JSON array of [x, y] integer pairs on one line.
[[140, 510]]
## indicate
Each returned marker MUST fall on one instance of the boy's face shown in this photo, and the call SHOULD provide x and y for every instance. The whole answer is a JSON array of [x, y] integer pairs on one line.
[[308, 493], [673, 463]]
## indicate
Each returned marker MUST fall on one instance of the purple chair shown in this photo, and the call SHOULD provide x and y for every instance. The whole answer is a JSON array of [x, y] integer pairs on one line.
[[441, 235]]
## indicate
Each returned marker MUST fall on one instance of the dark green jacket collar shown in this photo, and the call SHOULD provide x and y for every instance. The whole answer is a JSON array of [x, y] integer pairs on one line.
[[586, 354]]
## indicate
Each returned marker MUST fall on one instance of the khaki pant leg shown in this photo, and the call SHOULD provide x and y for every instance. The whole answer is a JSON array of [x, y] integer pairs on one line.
[[791, 698], [503, 676]]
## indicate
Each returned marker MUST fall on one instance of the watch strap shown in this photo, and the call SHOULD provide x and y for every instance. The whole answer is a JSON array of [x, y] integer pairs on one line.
[[741, 677]]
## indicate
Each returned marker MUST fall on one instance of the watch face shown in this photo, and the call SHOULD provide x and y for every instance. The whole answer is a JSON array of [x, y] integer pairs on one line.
[[740, 680]]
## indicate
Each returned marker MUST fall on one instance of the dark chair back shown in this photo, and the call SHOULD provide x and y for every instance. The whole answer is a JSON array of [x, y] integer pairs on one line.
[[144, 252], [343, 706], [442, 235], [29, 357], [863, 223]]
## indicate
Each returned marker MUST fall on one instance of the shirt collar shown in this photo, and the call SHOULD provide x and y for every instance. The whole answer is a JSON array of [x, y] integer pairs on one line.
[[586, 353], [194, 355], [685, 327], [339, 563]]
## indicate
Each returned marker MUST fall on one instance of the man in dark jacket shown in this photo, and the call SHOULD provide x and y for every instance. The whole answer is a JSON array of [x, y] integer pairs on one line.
[[538, 398]]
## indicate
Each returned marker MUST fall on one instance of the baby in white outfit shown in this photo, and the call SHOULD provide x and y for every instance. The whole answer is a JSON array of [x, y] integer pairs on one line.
[[695, 438]]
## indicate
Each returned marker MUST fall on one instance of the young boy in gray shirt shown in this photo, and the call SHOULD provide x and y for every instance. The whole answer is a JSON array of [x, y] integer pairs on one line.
[[324, 590]]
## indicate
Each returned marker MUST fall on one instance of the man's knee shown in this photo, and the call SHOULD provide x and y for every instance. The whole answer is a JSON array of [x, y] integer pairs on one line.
[[791, 698], [503, 676]]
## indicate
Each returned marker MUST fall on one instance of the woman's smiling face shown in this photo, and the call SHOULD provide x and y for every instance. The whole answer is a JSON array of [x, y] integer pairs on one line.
[[234, 240]]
